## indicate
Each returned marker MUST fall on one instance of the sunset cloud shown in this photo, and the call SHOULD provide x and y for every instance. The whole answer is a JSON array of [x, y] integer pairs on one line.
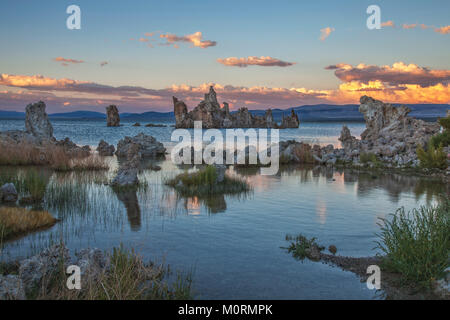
[[254, 61], [409, 26], [325, 33], [397, 74], [389, 23], [103, 63], [388, 84], [195, 39], [67, 61], [443, 30]]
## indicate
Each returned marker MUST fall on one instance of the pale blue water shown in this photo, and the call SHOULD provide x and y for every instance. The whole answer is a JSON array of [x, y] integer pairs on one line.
[[231, 243]]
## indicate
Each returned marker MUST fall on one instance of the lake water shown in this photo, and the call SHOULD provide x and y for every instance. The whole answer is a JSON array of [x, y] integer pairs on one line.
[[232, 244]]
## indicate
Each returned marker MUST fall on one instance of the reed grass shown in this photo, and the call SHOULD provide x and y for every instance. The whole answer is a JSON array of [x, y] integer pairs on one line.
[[50, 155]]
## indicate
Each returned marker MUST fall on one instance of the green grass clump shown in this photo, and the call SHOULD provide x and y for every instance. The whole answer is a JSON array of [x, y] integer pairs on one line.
[[417, 244], [432, 157], [300, 246], [203, 183], [442, 139]]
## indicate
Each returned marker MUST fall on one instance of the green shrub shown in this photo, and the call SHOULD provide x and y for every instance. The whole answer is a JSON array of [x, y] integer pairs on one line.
[[417, 244], [432, 157], [368, 157], [444, 137]]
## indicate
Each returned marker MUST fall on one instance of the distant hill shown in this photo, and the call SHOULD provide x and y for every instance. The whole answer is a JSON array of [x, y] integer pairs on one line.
[[319, 112]]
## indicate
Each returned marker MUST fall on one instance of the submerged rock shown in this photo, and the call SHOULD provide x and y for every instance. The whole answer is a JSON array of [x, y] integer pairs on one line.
[[36, 121], [148, 146], [8, 193], [112, 116], [104, 149], [213, 116]]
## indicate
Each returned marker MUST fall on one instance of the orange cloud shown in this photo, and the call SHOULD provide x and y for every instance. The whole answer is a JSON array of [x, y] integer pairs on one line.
[[389, 23], [397, 74], [195, 39], [254, 61], [409, 26], [325, 33], [443, 30], [66, 61]]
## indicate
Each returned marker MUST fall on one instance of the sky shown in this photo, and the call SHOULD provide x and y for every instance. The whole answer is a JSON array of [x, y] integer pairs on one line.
[[257, 54]]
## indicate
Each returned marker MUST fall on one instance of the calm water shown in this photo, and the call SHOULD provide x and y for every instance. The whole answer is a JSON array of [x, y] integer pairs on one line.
[[231, 243]]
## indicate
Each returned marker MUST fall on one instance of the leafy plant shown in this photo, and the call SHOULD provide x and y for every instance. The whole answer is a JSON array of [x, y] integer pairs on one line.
[[417, 243]]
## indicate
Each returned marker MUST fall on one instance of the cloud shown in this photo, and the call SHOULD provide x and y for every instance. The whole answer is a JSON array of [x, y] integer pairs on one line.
[[325, 33], [399, 83], [103, 63], [389, 23], [397, 74], [143, 40], [443, 30], [409, 26], [67, 61], [195, 39], [254, 61]]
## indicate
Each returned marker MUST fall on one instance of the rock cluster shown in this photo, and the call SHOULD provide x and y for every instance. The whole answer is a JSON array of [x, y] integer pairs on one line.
[[390, 134], [128, 170], [148, 146], [112, 116], [34, 271], [213, 116], [104, 149], [39, 133]]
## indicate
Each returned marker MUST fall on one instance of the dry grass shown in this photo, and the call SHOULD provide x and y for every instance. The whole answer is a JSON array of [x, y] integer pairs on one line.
[[52, 156], [15, 221]]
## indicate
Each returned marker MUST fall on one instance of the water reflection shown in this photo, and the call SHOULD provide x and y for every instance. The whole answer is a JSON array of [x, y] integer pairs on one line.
[[130, 201]]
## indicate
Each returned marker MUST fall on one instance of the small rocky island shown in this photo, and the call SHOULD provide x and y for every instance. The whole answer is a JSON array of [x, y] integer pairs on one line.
[[213, 115]]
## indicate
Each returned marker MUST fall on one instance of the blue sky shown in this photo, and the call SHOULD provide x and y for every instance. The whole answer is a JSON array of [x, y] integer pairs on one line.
[[34, 33]]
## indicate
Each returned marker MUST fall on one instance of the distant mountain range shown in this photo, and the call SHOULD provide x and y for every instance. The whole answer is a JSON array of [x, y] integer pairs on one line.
[[319, 112]]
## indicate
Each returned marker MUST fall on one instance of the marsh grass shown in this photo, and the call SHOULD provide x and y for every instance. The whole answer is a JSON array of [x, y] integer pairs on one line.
[[416, 244], [202, 183], [15, 221], [126, 278]]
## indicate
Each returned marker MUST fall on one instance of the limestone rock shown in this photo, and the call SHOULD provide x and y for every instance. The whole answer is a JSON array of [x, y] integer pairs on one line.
[[104, 149], [112, 116], [148, 146], [8, 193], [34, 270], [36, 121], [213, 116]]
